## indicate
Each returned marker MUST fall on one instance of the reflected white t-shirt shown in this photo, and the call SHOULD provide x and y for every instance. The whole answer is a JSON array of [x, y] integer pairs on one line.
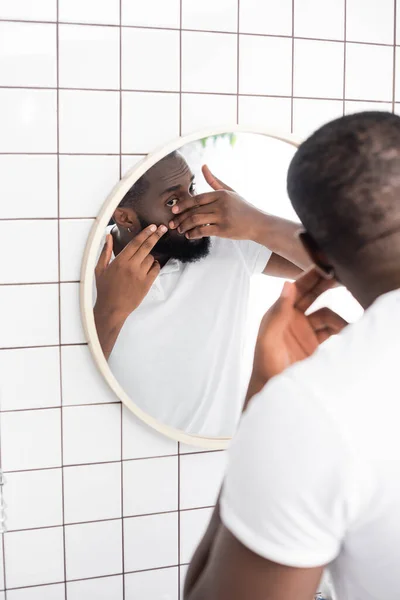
[[179, 354], [314, 472]]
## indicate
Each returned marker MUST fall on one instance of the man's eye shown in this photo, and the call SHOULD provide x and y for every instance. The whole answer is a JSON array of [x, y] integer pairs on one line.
[[193, 189], [172, 202]]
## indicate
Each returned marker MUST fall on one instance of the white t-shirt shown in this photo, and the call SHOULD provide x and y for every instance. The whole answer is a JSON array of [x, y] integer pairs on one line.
[[314, 472], [179, 354]]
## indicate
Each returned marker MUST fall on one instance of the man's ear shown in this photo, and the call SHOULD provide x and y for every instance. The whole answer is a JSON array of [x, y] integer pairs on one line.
[[126, 218], [318, 257]]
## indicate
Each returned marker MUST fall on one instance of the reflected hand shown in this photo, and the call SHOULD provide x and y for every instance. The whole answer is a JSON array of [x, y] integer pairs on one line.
[[221, 213], [287, 335], [123, 284]]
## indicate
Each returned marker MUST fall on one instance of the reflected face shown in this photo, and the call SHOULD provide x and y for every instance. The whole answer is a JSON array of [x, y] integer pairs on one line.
[[168, 182]]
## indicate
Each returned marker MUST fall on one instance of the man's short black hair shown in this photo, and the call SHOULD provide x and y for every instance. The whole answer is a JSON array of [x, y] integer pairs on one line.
[[141, 186], [344, 182]]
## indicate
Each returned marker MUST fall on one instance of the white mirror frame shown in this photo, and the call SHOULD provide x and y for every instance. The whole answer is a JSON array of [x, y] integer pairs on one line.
[[89, 263]]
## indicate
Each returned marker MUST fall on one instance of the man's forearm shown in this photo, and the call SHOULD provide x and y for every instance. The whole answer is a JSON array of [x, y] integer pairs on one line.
[[279, 235], [202, 554], [108, 326]]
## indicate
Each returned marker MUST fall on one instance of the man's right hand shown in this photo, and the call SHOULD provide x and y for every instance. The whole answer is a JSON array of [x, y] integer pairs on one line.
[[124, 283]]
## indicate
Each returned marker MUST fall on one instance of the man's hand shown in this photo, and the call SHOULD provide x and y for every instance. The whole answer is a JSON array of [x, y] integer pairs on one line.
[[287, 335], [123, 284], [221, 213]]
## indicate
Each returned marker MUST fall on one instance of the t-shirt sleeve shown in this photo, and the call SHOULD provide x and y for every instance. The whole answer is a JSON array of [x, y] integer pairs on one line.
[[255, 255], [286, 491]]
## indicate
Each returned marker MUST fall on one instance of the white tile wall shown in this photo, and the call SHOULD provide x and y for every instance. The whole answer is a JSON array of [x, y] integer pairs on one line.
[[34, 557], [30, 378], [104, 588], [171, 83], [37, 178], [152, 13], [28, 54], [318, 69], [151, 542], [326, 22], [85, 182], [42, 592], [370, 21], [73, 237], [43, 10], [201, 111], [273, 18], [144, 67], [308, 115], [31, 439], [193, 526], [209, 62], [157, 491], [34, 499], [83, 443], [84, 130], [92, 492], [81, 381], [89, 11], [28, 120], [33, 258], [152, 585], [265, 65], [149, 120], [210, 15], [194, 469], [93, 549], [273, 113], [37, 310], [88, 56]]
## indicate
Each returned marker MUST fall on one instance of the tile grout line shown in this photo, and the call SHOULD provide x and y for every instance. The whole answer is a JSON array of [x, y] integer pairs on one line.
[[178, 462], [107, 462], [292, 80], [59, 303], [4, 582], [344, 54], [121, 405], [111, 519], [215, 31], [238, 63], [41, 585], [394, 55]]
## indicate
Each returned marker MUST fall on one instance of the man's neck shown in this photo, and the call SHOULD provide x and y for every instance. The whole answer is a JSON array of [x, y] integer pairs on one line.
[[372, 284]]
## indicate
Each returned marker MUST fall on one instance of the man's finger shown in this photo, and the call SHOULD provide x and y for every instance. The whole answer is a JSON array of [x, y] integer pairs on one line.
[[105, 256], [148, 244], [325, 318], [309, 287], [180, 219], [213, 181], [130, 249], [193, 201], [202, 231], [196, 219], [278, 315]]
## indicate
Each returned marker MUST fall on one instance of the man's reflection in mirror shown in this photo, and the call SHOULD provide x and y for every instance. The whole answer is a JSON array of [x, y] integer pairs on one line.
[[172, 288]]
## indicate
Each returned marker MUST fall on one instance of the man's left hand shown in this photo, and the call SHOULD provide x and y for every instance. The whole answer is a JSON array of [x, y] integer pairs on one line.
[[221, 213]]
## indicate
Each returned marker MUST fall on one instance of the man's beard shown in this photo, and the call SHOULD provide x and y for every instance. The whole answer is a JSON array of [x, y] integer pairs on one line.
[[182, 249]]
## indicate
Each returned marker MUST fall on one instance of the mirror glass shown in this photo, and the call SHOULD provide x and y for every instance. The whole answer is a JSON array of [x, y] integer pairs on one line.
[[179, 339]]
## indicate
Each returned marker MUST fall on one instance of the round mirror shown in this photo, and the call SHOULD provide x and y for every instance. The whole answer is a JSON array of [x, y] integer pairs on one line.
[[171, 316]]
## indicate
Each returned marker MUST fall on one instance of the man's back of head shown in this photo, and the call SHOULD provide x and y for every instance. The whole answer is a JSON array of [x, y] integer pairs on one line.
[[344, 183]]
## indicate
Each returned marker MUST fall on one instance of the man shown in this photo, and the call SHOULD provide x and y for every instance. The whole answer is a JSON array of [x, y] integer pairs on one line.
[[314, 473], [171, 308]]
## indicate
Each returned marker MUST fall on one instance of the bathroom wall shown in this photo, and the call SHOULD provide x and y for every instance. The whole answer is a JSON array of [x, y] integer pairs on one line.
[[86, 88]]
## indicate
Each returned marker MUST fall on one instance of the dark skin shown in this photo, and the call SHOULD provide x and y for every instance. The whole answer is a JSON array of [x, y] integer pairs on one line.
[[222, 567], [222, 213]]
